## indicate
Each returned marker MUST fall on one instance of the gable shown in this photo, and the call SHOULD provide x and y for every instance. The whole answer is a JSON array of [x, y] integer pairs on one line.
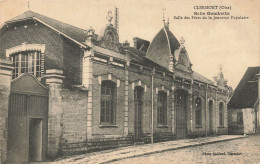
[[73, 33], [28, 84]]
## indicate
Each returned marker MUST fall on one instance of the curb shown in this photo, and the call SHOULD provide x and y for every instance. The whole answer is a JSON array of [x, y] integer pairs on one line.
[[174, 148]]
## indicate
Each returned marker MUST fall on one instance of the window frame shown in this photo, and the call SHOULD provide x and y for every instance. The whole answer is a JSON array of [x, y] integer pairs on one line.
[[162, 108], [108, 103], [198, 112], [26, 62], [221, 114]]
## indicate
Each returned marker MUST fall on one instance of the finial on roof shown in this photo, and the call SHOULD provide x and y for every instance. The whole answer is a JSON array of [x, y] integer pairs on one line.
[[90, 32], [219, 79], [163, 10], [126, 44], [28, 5], [168, 23], [182, 41], [109, 16], [220, 68]]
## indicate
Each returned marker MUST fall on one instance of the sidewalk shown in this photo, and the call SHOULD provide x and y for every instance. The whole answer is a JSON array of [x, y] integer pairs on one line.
[[140, 150]]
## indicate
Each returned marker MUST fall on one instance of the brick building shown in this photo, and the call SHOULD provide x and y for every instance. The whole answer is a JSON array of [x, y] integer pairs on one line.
[[65, 90], [243, 107]]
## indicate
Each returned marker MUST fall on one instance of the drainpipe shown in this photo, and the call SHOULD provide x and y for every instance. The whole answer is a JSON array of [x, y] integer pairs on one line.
[[206, 98], [153, 72]]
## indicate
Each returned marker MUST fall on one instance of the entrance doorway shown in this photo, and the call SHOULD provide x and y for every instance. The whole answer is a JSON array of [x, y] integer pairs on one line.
[[211, 117], [35, 139], [181, 114], [27, 121], [138, 101]]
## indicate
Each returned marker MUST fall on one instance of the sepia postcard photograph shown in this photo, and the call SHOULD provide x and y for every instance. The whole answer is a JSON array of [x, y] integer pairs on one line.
[[130, 81]]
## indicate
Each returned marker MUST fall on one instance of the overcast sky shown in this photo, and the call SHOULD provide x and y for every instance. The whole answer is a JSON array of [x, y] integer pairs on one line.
[[232, 43]]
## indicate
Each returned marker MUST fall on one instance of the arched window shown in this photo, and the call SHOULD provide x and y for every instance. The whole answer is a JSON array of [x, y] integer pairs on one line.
[[162, 108], [108, 102], [198, 112], [221, 114], [27, 62]]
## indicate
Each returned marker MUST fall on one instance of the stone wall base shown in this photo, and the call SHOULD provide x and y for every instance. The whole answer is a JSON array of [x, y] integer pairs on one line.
[[97, 144]]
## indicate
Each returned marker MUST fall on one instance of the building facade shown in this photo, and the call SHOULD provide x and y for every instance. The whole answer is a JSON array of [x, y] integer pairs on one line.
[[243, 107], [65, 90]]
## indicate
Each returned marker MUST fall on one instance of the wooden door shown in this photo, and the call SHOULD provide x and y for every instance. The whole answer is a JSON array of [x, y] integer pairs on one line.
[[138, 127], [181, 115], [138, 100], [17, 129]]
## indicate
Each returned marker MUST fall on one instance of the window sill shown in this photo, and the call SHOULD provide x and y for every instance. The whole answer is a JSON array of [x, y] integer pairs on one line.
[[108, 126], [162, 126]]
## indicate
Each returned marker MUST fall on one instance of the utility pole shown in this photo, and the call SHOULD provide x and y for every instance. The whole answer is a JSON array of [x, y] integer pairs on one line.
[[153, 72]]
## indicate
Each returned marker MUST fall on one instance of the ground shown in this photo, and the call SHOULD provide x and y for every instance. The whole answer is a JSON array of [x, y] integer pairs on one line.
[[246, 150]]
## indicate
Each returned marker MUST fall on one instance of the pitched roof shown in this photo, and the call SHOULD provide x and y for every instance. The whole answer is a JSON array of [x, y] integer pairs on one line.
[[139, 57], [73, 32], [163, 43], [199, 77], [245, 94], [162, 47]]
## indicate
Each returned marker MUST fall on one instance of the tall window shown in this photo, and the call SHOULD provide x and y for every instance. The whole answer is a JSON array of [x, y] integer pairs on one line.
[[27, 62], [108, 102], [162, 108], [221, 114], [198, 113]]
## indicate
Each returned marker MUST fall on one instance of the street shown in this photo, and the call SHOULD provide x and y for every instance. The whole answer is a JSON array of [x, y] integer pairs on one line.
[[246, 150]]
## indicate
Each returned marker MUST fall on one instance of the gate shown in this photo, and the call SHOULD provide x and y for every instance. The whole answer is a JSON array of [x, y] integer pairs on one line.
[[181, 114], [27, 120]]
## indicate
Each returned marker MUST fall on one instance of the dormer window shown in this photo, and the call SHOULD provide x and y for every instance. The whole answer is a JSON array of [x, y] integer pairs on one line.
[[27, 62]]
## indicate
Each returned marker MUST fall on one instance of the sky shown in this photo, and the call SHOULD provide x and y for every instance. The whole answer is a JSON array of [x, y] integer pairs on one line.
[[232, 43]]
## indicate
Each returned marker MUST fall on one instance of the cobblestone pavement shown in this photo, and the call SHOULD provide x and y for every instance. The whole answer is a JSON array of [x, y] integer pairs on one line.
[[246, 150], [140, 150]]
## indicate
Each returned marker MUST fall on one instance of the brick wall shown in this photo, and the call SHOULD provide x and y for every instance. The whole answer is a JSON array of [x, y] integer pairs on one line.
[[72, 63], [60, 53], [134, 76], [118, 73], [74, 115], [38, 34], [73, 121]]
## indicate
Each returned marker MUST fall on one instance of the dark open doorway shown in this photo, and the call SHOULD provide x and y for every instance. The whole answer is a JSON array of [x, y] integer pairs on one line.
[[35, 139]]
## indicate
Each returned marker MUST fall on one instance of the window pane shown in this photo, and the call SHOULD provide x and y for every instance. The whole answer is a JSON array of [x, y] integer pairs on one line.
[[162, 108], [27, 63], [107, 100], [198, 111], [221, 117]]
